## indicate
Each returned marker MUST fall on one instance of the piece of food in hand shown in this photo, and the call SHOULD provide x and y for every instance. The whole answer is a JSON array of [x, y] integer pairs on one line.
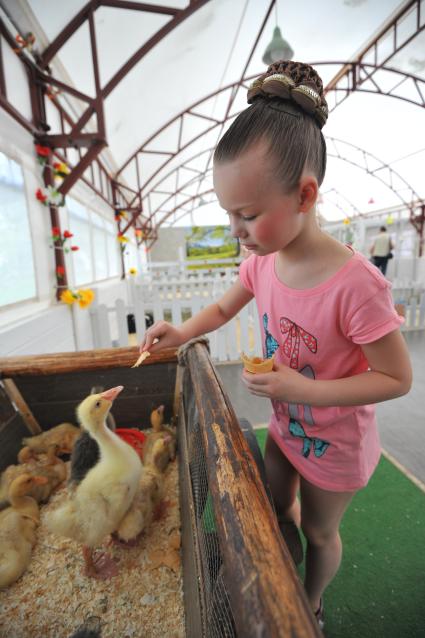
[[142, 357], [257, 365]]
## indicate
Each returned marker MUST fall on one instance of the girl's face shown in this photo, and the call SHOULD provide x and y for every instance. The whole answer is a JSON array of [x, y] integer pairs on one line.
[[262, 217]]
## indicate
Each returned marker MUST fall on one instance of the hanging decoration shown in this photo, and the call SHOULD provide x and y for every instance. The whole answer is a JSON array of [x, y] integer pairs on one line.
[[83, 296], [60, 240], [42, 153], [123, 239], [60, 169], [139, 233], [390, 220], [50, 198], [26, 42], [120, 214], [133, 272], [347, 221]]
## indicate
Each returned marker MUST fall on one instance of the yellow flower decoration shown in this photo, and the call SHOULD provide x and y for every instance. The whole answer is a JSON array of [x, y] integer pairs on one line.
[[346, 221], [85, 297], [67, 297], [133, 271], [122, 239]]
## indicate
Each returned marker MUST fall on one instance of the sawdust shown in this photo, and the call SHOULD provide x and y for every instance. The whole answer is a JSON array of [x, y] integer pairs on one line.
[[53, 598]]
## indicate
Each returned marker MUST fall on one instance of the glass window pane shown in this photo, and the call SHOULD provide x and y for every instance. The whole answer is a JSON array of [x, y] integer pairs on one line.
[[17, 274], [80, 227], [114, 258], [100, 251]]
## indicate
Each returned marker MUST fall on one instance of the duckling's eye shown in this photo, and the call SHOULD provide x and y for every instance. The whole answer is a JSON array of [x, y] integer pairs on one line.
[[98, 404]]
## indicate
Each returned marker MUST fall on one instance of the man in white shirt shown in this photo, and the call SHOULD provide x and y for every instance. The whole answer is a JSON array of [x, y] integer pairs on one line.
[[381, 250]]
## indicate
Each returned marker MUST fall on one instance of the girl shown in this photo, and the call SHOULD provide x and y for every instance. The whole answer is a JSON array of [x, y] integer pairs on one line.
[[327, 316]]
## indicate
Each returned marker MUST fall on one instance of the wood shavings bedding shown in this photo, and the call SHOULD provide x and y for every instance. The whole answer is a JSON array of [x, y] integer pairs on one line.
[[53, 598]]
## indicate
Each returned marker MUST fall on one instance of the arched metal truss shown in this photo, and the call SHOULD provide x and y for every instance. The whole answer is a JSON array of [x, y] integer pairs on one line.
[[368, 72], [181, 201]]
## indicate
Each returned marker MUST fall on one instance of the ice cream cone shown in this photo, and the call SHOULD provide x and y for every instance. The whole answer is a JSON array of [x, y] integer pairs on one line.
[[257, 365]]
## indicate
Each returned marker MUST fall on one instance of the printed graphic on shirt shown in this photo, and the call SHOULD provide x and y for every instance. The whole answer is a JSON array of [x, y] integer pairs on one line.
[[319, 446], [291, 345], [270, 343], [296, 429]]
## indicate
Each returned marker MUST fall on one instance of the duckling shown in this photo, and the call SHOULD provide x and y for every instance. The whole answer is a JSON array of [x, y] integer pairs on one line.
[[17, 530], [86, 452], [147, 498], [57, 440], [101, 500], [160, 431], [54, 472]]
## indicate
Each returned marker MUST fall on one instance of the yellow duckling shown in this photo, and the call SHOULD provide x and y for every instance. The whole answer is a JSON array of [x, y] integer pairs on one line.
[[55, 474], [148, 497], [17, 529], [160, 431], [57, 440], [100, 501]]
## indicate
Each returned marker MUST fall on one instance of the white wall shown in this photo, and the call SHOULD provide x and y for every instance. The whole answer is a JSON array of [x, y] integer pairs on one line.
[[43, 324]]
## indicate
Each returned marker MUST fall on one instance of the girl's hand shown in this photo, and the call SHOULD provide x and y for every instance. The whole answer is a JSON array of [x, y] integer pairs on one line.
[[164, 334], [282, 384]]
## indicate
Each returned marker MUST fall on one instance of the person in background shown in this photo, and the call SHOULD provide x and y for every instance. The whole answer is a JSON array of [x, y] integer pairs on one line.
[[381, 250]]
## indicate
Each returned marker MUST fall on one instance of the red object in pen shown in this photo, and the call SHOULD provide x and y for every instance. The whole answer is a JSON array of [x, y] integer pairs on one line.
[[133, 437]]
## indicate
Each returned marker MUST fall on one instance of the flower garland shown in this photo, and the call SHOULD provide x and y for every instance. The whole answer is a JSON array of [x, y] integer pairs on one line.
[[83, 296], [60, 170], [62, 239]]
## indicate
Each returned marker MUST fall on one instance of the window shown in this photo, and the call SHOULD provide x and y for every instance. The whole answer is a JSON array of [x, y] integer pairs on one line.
[[130, 254], [114, 259], [17, 273], [82, 259], [100, 247]]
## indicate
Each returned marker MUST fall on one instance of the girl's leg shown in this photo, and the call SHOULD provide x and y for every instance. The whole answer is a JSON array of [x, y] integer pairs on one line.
[[321, 514], [283, 481]]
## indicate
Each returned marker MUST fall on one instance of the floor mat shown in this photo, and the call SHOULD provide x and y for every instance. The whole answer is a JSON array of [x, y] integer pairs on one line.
[[380, 588]]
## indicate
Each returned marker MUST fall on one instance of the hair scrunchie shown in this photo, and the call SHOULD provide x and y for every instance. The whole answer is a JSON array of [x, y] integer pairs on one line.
[[294, 81]]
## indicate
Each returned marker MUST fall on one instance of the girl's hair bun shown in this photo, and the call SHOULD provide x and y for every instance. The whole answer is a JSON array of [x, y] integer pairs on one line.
[[293, 81]]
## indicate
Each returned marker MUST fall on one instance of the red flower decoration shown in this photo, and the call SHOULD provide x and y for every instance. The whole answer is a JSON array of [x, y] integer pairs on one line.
[[56, 230], [67, 234], [42, 150], [60, 271], [75, 248], [41, 196]]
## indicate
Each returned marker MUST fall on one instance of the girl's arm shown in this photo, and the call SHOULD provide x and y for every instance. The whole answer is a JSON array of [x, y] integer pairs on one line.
[[207, 320], [390, 376]]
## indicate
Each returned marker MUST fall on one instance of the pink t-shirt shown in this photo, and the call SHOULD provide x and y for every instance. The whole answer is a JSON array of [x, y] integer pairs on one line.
[[319, 331]]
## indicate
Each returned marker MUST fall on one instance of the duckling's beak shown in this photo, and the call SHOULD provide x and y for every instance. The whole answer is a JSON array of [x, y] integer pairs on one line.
[[111, 395]]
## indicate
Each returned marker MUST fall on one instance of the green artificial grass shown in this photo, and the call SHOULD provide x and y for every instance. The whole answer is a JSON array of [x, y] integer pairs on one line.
[[379, 590]]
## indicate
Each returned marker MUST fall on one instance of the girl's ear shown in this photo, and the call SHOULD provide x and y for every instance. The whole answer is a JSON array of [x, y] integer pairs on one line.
[[308, 191]]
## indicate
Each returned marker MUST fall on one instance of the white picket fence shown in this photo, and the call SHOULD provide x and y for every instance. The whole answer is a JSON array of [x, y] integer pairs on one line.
[[179, 298], [176, 301]]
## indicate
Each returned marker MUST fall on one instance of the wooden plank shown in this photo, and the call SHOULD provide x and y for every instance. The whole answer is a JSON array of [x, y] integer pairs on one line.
[[11, 436], [266, 595], [63, 362], [54, 399], [17, 398], [7, 409]]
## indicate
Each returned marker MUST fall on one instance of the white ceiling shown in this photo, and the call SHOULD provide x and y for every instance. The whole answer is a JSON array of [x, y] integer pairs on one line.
[[209, 50]]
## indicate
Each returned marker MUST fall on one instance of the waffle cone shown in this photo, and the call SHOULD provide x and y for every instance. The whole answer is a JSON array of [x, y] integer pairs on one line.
[[257, 365]]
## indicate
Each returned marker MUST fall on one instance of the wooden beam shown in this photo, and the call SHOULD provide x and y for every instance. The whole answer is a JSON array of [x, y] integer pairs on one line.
[[63, 362], [266, 596], [16, 397]]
